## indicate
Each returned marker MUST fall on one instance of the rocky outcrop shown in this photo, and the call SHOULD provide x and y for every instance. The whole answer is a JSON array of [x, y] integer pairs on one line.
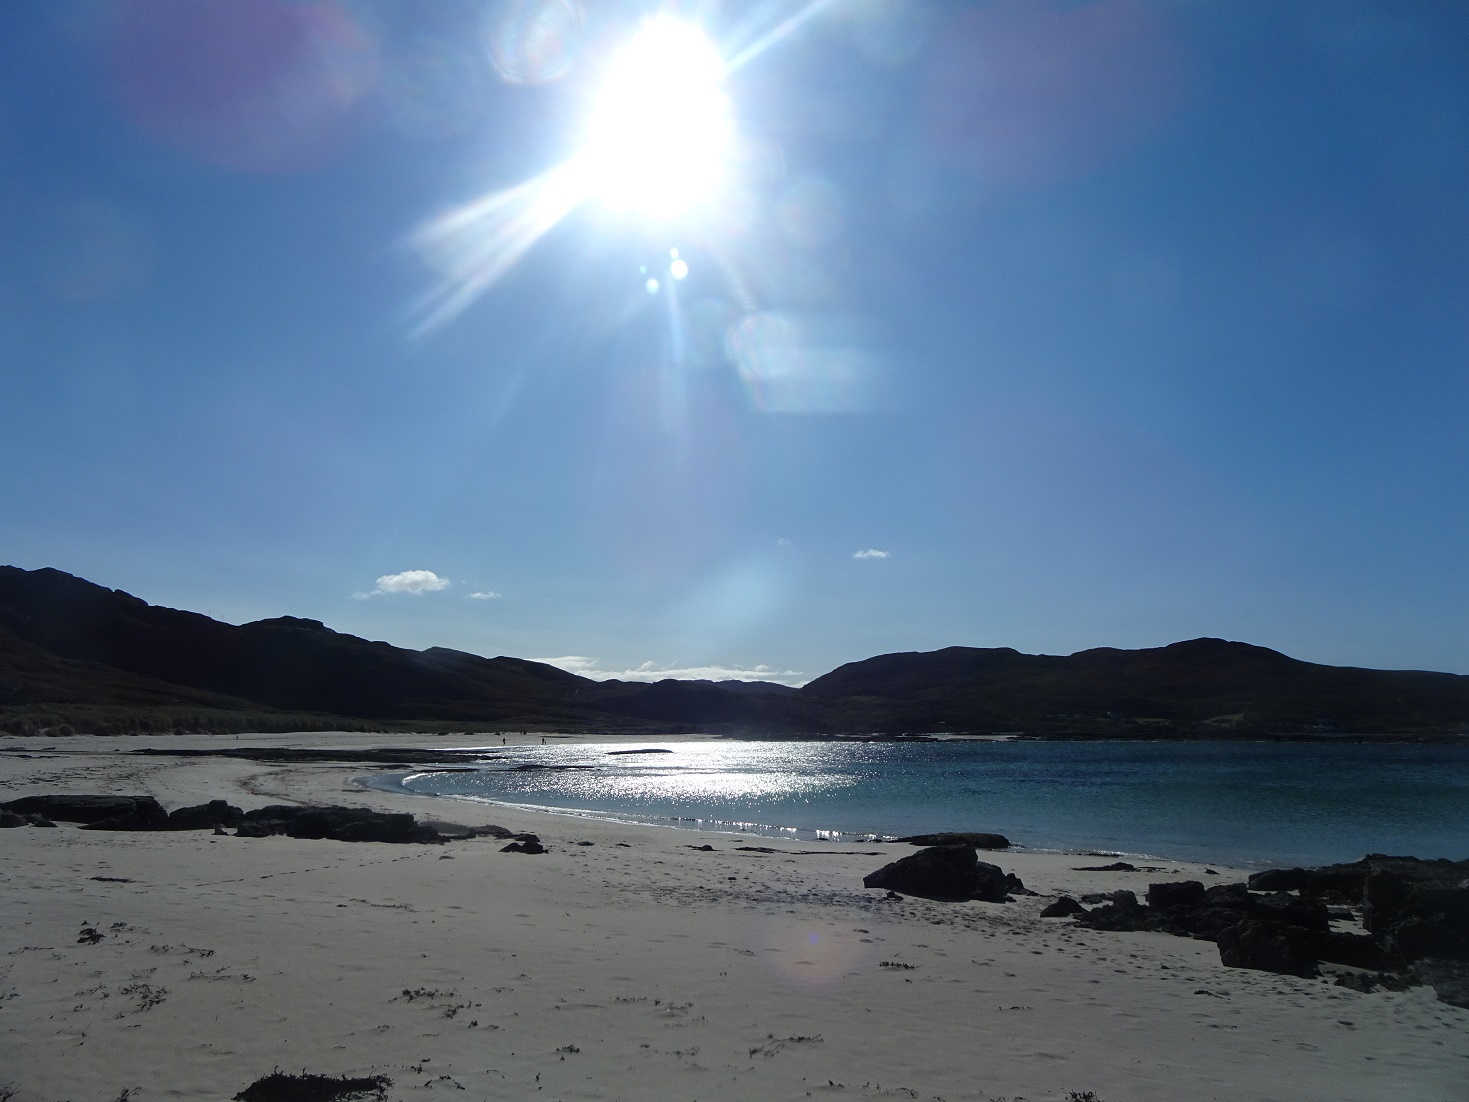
[[1448, 978], [342, 824], [1346, 882], [942, 872], [95, 811], [1268, 947], [958, 838], [216, 813], [1417, 913], [1183, 893]]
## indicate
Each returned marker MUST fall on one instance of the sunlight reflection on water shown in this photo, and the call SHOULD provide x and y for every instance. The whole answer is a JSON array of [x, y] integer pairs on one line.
[[1232, 802]]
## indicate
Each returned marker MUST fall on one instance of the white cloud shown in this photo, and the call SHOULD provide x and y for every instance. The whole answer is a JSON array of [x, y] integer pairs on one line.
[[484, 595], [782, 541], [415, 582], [650, 671], [871, 553]]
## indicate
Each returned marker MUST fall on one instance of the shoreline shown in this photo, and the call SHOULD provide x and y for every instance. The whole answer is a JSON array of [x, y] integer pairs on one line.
[[636, 966]]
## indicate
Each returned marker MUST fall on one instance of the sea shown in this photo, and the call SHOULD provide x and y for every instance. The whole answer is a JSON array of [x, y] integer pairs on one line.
[[1241, 803]]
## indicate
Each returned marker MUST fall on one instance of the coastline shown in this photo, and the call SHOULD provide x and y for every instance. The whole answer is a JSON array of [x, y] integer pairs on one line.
[[635, 967]]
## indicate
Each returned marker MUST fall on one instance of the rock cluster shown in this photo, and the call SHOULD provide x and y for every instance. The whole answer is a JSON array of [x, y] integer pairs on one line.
[[1416, 914], [343, 824]]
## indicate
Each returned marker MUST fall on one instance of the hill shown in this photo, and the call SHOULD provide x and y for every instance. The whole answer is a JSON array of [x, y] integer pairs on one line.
[[73, 652]]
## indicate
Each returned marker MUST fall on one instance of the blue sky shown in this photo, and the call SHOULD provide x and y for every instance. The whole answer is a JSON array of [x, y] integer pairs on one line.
[[1106, 323]]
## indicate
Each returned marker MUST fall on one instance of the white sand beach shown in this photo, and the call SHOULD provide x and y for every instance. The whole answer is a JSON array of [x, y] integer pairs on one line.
[[633, 967]]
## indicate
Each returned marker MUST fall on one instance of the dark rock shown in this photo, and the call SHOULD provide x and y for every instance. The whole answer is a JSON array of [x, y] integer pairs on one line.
[[1346, 883], [941, 872], [1110, 897], [1268, 947], [105, 812], [1309, 914], [1227, 895], [9, 819], [205, 816], [490, 830], [1063, 907], [1417, 917], [1115, 866], [523, 847], [705, 848], [1449, 978], [1183, 893], [343, 824], [1374, 981], [1278, 880], [279, 1086], [1356, 950], [527, 837], [1122, 913], [1015, 886], [958, 838]]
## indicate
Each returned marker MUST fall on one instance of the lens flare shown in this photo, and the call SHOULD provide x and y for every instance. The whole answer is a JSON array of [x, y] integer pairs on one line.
[[661, 128]]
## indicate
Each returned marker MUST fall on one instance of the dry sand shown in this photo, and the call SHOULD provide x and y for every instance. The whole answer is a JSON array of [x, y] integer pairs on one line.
[[610, 971]]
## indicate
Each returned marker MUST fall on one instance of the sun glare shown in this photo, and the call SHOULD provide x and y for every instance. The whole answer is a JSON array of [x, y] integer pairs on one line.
[[660, 130]]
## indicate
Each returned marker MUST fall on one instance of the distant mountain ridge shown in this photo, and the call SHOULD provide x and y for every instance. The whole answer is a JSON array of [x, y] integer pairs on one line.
[[71, 648]]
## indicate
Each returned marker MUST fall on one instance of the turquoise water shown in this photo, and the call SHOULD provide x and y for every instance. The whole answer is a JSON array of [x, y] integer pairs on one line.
[[1243, 803]]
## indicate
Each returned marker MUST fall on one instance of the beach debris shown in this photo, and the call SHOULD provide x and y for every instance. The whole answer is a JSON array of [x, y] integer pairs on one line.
[[945, 873], [89, 935], [308, 1087], [773, 1044], [706, 848]]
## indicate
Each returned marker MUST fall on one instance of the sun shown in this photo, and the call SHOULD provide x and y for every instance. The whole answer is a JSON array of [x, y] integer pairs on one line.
[[660, 130]]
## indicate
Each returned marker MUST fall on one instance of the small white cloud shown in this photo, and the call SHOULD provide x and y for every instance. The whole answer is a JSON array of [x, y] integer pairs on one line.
[[782, 541], [414, 582], [651, 671], [872, 553], [484, 595]]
